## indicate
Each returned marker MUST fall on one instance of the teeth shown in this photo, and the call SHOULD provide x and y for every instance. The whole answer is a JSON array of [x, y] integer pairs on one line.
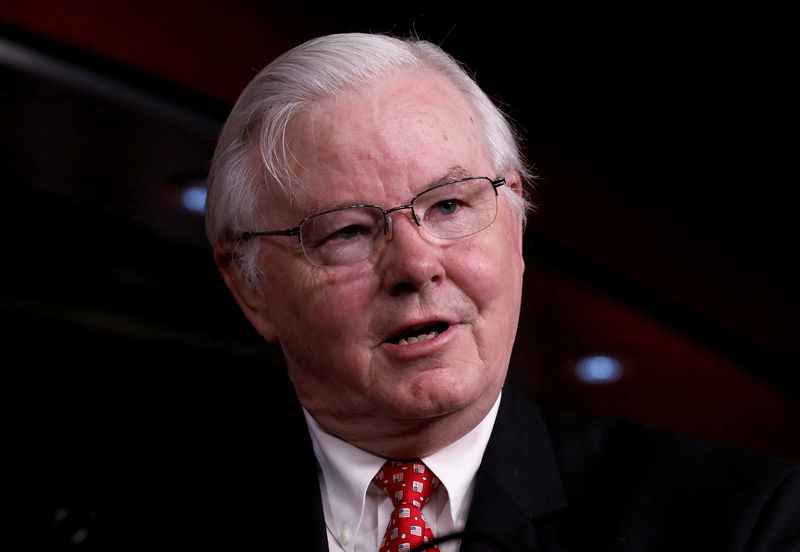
[[421, 337]]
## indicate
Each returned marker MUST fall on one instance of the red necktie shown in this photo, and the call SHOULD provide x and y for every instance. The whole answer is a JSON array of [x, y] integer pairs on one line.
[[408, 484]]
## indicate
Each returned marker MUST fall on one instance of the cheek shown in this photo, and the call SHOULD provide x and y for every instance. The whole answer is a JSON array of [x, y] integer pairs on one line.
[[322, 305], [325, 317], [486, 270]]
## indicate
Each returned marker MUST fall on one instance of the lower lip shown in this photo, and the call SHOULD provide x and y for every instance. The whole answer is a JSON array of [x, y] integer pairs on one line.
[[421, 348]]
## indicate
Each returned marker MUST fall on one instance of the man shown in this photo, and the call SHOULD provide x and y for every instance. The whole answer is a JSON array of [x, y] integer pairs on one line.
[[366, 208]]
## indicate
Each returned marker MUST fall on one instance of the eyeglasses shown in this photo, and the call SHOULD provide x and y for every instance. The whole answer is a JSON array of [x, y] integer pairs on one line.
[[349, 235]]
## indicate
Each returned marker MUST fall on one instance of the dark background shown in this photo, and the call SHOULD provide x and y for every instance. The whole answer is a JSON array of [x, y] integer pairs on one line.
[[666, 232]]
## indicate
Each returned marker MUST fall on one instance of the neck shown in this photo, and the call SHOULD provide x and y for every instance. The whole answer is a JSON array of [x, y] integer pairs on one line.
[[404, 439]]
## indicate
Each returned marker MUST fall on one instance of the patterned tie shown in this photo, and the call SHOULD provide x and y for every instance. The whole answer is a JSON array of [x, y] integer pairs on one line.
[[408, 484]]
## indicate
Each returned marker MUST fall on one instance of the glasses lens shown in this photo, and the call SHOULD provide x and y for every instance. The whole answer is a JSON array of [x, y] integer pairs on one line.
[[457, 209], [342, 237]]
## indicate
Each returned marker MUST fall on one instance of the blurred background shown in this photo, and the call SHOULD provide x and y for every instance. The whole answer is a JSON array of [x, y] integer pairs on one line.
[[661, 283]]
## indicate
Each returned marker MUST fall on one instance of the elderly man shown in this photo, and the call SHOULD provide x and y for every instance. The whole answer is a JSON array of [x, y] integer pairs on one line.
[[366, 208]]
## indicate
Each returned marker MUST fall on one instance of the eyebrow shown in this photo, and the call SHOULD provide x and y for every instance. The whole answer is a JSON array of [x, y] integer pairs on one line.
[[455, 172]]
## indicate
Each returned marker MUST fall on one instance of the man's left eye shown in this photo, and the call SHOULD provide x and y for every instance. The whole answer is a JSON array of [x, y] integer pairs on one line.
[[447, 207]]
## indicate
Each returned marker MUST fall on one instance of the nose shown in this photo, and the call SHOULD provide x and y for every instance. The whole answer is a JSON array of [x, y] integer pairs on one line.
[[410, 261]]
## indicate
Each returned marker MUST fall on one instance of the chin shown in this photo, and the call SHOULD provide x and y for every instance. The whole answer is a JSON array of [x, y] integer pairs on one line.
[[439, 396]]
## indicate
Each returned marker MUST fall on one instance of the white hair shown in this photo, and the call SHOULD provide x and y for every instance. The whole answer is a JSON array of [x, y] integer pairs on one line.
[[251, 153]]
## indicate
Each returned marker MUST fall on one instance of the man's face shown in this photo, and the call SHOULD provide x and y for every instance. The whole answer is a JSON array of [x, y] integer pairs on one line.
[[382, 145]]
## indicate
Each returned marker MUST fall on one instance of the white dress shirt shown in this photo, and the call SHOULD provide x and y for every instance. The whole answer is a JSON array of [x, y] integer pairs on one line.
[[357, 512]]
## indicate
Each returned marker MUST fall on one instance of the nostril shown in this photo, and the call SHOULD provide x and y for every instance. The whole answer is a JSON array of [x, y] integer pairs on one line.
[[411, 286], [402, 288]]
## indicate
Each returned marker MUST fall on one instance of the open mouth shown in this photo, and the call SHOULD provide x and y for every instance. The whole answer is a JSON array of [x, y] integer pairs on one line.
[[418, 333]]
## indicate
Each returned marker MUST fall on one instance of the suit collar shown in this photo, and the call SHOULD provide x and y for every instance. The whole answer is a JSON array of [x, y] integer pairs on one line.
[[518, 485]]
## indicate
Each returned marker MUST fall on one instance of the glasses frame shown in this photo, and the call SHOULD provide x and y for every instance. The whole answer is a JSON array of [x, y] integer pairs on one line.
[[295, 230]]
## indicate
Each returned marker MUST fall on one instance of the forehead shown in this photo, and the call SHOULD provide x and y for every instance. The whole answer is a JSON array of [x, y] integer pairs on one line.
[[384, 141]]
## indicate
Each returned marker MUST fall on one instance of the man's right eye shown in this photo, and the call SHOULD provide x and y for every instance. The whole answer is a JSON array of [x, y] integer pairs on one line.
[[345, 235], [348, 233]]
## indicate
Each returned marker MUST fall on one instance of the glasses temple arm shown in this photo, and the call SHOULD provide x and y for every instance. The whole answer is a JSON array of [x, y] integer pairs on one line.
[[244, 236]]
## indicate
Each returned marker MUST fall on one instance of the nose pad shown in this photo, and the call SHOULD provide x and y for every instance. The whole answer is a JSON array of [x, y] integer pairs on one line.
[[388, 229]]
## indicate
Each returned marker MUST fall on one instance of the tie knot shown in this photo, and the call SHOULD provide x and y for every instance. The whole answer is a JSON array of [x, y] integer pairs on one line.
[[408, 482]]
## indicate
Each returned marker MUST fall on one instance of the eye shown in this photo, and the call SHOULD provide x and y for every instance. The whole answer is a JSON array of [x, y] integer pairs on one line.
[[342, 228], [445, 207], [349, 233]]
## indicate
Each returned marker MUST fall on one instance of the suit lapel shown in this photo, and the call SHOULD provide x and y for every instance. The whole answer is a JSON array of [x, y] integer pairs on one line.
[[309, 530], [280, 495], [519, 497]]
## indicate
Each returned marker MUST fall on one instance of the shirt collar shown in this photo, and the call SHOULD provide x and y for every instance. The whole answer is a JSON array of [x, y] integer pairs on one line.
[[456, 464], [347, 471]]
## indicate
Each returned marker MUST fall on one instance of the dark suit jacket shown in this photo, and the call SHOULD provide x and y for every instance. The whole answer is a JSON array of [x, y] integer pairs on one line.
[[547, 482], [555, 482]]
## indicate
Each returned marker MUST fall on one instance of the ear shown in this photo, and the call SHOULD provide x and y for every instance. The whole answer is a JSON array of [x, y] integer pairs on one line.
[[514, 181], [252, 299]]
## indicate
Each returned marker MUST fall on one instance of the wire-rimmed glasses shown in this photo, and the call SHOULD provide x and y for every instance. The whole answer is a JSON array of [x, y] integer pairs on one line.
[[348, 235]]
